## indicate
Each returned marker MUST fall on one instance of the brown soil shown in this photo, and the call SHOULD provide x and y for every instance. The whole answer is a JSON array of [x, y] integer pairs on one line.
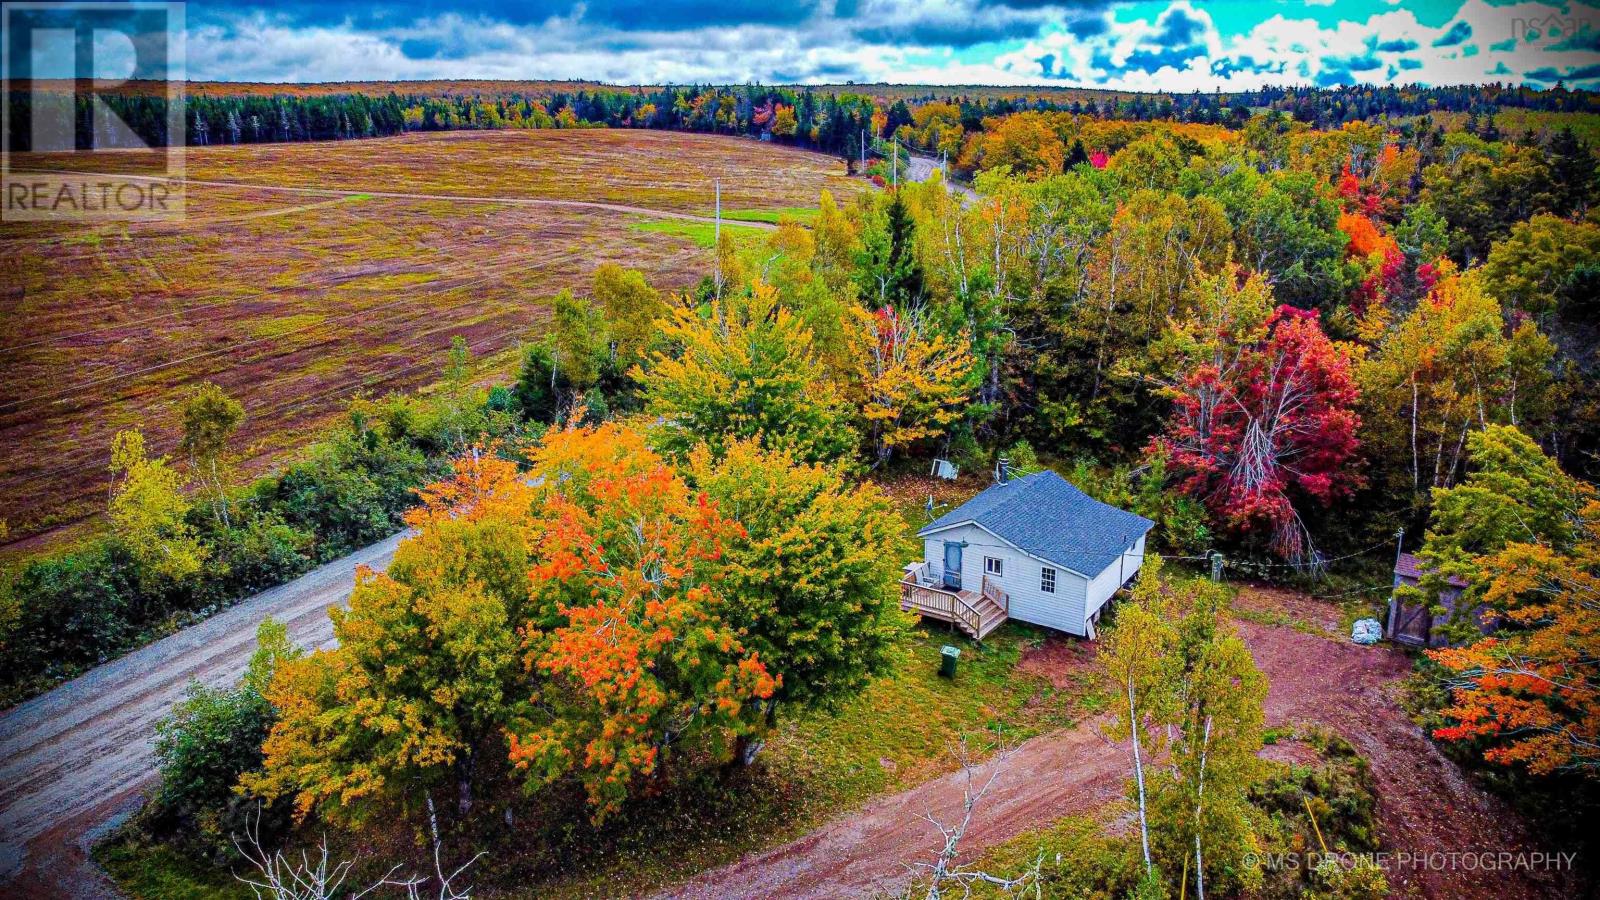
[[1062, 661], [1424, 804], [1281, 605]]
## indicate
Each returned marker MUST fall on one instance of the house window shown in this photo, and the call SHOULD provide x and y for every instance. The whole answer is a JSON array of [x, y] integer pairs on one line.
[[1047, 580], [995, 567]]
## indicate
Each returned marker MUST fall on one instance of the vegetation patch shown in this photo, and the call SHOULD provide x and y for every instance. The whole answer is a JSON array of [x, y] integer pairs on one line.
[[802, 214], [1097, 855], [278, 327], [702, 234]]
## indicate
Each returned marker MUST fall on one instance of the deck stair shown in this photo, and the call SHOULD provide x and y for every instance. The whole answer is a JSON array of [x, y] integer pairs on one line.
[[977, 613]]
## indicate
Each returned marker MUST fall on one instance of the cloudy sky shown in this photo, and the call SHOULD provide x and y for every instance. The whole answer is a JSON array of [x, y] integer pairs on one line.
[[1155, 45]]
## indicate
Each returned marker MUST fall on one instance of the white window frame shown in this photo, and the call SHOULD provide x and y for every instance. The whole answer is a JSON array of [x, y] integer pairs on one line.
[[1047, 580], [994, 566]]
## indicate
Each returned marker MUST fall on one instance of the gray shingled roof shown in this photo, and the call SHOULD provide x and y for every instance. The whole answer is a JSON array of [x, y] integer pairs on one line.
[[1043, 514], [1412, 569]]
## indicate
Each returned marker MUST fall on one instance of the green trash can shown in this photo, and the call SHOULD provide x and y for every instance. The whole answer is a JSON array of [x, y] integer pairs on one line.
[[947, 661]]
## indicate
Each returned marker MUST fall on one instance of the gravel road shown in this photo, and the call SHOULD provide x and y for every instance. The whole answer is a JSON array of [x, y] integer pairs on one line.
[[75, 757], [923, 167]]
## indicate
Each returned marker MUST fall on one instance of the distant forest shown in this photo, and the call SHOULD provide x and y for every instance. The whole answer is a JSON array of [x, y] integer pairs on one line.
[[832, 120]]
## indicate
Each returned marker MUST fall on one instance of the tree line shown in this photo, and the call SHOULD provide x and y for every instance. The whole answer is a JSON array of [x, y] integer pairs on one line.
[[829, 120]]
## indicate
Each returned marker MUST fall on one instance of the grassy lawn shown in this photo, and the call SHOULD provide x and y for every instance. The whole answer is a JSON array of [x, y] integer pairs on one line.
[[805, 215], [703, 234], [158, 872]]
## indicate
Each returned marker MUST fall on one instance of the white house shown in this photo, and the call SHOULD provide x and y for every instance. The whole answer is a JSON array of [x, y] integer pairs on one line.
[[1035, 549]]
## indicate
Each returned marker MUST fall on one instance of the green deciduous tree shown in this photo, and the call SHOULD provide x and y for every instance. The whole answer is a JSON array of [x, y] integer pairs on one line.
[[1134, 656], [578, 340], [1513, 493], [1189, 700], [631, 307], [1449, 368], [748, 369], [210, 417], [148, 509], [813, 579], [1201, 807]]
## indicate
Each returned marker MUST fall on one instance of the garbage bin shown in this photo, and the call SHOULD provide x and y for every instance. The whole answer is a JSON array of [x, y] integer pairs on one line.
[[947, 661]]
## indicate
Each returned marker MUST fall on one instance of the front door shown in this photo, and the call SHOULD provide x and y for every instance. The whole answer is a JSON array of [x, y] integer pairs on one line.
[[952, 565]]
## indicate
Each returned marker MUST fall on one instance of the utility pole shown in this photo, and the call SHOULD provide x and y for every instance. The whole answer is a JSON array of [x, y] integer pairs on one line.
[[716, 245], [1399, 545]]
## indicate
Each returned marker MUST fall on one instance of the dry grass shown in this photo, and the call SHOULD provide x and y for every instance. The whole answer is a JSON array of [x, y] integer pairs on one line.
[[663, 170], [293, 302]]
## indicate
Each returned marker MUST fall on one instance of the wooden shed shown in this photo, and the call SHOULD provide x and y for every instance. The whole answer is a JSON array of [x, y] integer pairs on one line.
[[1414, 624]]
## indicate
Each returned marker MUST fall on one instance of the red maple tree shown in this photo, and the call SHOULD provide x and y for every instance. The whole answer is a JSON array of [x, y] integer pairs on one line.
[[1264, 415]]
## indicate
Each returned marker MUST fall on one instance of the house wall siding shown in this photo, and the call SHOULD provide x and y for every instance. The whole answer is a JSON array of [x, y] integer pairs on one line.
[[1114, 576], [1062, 610]]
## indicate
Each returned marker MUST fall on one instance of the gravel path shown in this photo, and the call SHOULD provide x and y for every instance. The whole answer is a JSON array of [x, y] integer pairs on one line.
[[73, 757], [453, 198], [1424, 802], [923, 167]]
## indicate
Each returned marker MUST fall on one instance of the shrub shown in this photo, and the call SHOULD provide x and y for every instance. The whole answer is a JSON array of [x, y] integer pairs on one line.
[[211, 738], [1022, 457], [351, 491], [76, 610], [1338, 790], [254, 554], [1362, 880]]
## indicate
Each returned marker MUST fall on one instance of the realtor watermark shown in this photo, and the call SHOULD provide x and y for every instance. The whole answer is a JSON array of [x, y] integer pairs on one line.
[[1418, 860], [1540, 29], [91, 110]]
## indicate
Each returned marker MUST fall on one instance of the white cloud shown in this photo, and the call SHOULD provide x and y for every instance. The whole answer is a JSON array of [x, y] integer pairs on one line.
[[1387, 48], [1178, 49]]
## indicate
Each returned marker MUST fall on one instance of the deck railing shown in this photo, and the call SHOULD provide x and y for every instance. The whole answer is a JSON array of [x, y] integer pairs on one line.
[[996, 596], [916, 593]]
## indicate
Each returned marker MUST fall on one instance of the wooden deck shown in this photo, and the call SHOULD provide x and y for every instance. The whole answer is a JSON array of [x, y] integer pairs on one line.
[[975, 612]]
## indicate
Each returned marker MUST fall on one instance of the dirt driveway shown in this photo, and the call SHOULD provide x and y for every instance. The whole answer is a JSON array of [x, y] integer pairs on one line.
[[1424, 802]]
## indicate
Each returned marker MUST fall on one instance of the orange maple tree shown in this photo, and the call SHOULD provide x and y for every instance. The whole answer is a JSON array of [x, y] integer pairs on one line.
[[629, 648], [1532, 693]]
